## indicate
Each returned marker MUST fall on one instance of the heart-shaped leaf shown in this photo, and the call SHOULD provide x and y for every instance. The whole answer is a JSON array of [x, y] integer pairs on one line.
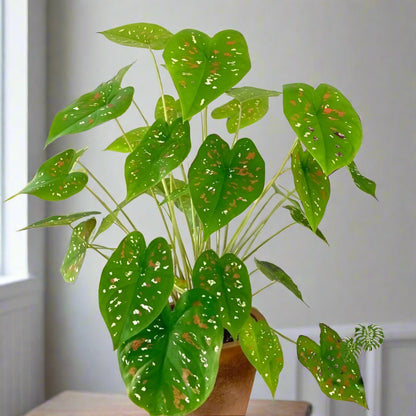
[[335, 369], [163, 148], [276, 274], [129, 141], [203, 68], [135, 286], [106, 102], [173, 109], [139, 35], [311, 184], [224, 182], [252, 103], [54, 180], [170, 367], [228, 280], [78, 245], [326, 123], [366, 185], [59, 220], [261, 346]]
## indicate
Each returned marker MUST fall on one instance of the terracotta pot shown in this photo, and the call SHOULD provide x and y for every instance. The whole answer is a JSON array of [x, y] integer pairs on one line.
[[235, 379]]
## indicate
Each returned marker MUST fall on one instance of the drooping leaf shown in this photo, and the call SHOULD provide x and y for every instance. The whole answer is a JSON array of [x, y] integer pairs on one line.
[[161, 150], [173, 109], [227, 279], [106, 102], [326, 123], [75, 254], [366, 185], [251, 102], [139, 35], [224, 182], [170, 367], [299, 216], [59, 220], [203, 68], [311, 184], [275, 273], [262, 347], [334, 367], [131, 140], [135, 286], [54, 180]]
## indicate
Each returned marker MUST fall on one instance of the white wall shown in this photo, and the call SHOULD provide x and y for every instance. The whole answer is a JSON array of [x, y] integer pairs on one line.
[[366, 49]]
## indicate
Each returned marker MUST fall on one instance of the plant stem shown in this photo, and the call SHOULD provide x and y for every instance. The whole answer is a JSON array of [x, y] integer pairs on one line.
[[124, 135], [264, 288], [140, 112], [107, 193], [165, 111], [284, 336], [257, 201], [238, 125], [117, 221]]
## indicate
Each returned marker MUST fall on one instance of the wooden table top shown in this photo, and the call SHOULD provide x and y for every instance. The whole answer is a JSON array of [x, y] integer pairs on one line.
[[72, 403]]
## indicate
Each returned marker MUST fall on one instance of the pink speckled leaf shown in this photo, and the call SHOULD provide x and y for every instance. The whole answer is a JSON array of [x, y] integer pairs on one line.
[[224, 182]]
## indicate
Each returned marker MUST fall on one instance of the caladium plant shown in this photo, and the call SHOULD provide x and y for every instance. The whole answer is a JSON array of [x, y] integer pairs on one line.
[[167, 307]]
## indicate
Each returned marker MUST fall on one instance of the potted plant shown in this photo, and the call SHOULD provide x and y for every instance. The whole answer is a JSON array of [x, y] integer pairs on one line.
[[167, 303]]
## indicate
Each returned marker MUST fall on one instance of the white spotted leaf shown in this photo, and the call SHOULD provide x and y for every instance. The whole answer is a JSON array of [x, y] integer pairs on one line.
[[135, 286], [60, 220]]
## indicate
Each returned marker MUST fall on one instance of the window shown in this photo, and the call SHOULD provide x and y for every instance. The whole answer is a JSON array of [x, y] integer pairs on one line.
[[14, 133]]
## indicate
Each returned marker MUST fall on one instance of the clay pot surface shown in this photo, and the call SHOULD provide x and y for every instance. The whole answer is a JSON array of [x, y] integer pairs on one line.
[[235, 379]]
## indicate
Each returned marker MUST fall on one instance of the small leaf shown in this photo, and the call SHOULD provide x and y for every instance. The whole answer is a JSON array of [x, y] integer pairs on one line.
[[334, 367], [299, 216], [107, 222], [227, 279], [106, 102], [161, 150], [276, 274], [370, 337], [203, 68], [139, 35], [170, 367], [78, 245], [59, 220], [135, 286], [173, 109], [224, 181], [131, 140], [253, 103], [54, 180], [311, 184], [262, 347], [325, 122], [366, 185]]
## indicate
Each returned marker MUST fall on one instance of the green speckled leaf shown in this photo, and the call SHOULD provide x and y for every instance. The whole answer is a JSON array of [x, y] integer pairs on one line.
[[335, 369], [170, 367], [139, 35], [275, 273], [131, 140], [161, 150], [224, 182], [203, 68], [54, 180], [59, 220], [228, 280], [75, 254], [173, 109], [135, 286], [254, 104], [311, 184], [106, 102], [262, 347], [326, 123], [366, 185]]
